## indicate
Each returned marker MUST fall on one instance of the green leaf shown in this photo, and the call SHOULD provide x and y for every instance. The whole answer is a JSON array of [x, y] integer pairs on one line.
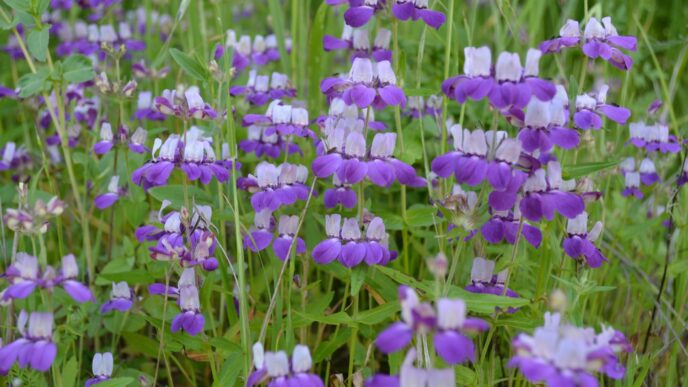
[[584, 169], [378, 314], [38, 42], [419, 216], [18, 5], [277, 14], [69, 372], [39, 6], [175, 194], [315, 56], [358, 275], [5, 25], [190, 65], [32, 84], [332, 319], [137, 343], [78, 69], [326, 349], [116, 382]]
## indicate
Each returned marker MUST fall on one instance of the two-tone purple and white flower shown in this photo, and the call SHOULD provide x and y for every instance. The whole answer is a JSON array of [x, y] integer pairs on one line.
[[145, 109], [598, 40], [367, 84], [347, 116], [417, 9], [275, 186], [484, 281], [101, 366], [109, 198], [108, 139], [418, 106], [188, 105], [121, 298], [359, 12], [590, 106], [35, 348], [447, 322], [277, 370], [508, 86], [272, 145], [504, 226], [358, 43], [653, 138], [560, 354], [544, 126], [283, 119], [412, 376], [543, 195], [350, 246], [579, 243], [257, 52], [260, 89]]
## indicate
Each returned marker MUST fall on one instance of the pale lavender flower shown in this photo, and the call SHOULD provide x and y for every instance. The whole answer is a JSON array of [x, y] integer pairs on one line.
[[579, 243], [121, 298], [287, 228], [106, 200], [260, 234], [277, 370], [590, 106], [35, 348], [186, 105], [102, 368], [484, 281]]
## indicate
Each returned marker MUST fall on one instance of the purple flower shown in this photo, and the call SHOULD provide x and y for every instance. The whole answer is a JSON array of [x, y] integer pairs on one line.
[[145, 109], [14, 158], [121, 298], [590, 106], [287, 228], [683, 178], [565, 355], [35, 348], [276, 186], [260, 89], [419, 106], [24, 277], [186, 106], [190, 318], [140, 70], [342, 115], [449, 324], [413, 376], [599, 40], [417, 9], [267, 145], [360, 11], [503, 226], [102, 368], [282, 119], [508, 86], [368, 84], [276, 369], [106, 200], [191, 244], [357, 41], [260, 234], [544, 127], [260, 52], [349, 246], [653, 137], [543, 196], [632, 185], [193, 153], [483, 281], [340, 194], [579, 243]]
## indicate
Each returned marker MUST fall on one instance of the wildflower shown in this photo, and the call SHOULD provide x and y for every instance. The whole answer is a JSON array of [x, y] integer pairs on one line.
[[589, 105], [282, 119], [276, 369], [145, 109], [504, 226], [186, 106], [509, 86], [632, 185], [121, 298], [653, 137], [562, 354], [411, 376], [648, 173], [357, 41], [599, 40], [15, 158], [102, 368], [543, 196], [419, 106], [544, 127], [683, 178], [276, 186], [346, 243], [579, 243], [447, 321], [483, 281], [260, 234], [33, 220], [106, 200], [340, 194], [360, 12], [259, 52], [140, 70], [190, 318], [287, 228], [368, 84], [267, 145], [137, 141], [417, 9], [260, 89], [35, 348], [342, 115], [193, 153], [347, 159], [191, 244]]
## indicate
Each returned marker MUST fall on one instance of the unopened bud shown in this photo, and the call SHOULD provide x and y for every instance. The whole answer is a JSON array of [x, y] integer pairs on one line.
[[438, 265], [558, 301], [129, 89]]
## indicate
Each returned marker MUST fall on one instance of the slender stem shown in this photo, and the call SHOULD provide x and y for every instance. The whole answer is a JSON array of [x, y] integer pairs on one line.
[[352, 341]]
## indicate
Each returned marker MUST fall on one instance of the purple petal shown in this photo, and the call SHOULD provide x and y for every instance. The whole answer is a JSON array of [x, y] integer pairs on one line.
[[394, 338], [326, 251], [78, 291], [454, 347], [358, 16]]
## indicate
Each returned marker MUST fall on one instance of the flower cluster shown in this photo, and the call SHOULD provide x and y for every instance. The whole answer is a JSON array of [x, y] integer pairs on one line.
[[259, 52], [277, 369], [275, 186], [35, 348], [563, 354], [260, 89], [260, 235], [282, 119], [33, 220], [368, 84], [358, 43], [190, 319]]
